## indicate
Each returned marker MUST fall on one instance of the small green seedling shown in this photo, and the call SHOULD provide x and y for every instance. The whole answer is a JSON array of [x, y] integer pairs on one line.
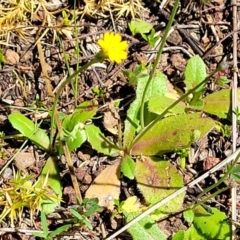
[[50, 235], [139, 26], [2, 58], [151, 38], [138, 72], [237, 113], [235, 172], [84, 211], [142, 27], [183, 154], [98, 92], [66, 20], [222, 81], [225, 130]]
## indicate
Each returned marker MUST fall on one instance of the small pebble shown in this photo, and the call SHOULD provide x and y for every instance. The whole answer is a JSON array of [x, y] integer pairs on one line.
[[8, 173]]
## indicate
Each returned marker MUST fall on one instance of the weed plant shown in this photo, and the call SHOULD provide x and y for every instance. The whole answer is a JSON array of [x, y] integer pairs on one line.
[[155, 125]]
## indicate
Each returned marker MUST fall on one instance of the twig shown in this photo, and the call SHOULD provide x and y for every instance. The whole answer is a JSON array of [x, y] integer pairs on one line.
[[162, 4], [234, 117], [177, 193], [208, 52], [44, 71], [191, 42], [169, 49]]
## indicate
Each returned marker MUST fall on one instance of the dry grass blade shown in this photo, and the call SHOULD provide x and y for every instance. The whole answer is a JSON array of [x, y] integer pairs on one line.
[[68, 158], [17, 15], [44, 70]]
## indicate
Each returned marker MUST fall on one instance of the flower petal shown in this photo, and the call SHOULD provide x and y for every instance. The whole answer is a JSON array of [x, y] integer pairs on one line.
[[113, 47]]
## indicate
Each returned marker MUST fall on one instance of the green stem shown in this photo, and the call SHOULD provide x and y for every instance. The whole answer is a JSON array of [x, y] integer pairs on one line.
[[164, 39], [77, 53], [158, 118], [61, 87], [222, 179], [211, 196]]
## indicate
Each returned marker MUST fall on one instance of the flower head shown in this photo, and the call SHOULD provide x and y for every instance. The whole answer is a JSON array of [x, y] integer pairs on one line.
[[113, 47]]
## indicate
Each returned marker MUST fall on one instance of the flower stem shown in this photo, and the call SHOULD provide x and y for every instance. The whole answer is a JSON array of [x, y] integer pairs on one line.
[[61, 87], [55, 116], [164, 39]]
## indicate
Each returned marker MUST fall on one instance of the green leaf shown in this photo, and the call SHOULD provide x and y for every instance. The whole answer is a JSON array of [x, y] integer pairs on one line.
[[145, 228], [139, 26], [222, 81], [82, 218], [52, 173], [79, 136], [39, 234], [128, 167], [219, 103], [2, 58], [99, 142], [195, 73], [66, 21], [213, 226], [193, 233], [171, 133], [180, 235], [157, 179], [138, 72], [235, 172], [44, 223], [59, 230], [151, 39], [188, 215], [157, 104], [198, 103], [91, 206], [75, 138], [82, 113], [236, 169], [76, 214], [87, 222], [29, 130], [236, 177], [158, 86]]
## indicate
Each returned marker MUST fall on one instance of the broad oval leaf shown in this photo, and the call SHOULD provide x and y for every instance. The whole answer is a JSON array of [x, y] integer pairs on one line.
[[146, 228], [156, 180], [157, 104], [82, 113], [99, 142], [158, 86], [29, 130], [171, 133], [213, 225], [139, 26], [219, 103], [195, 73], [78, 139], [188, 215]]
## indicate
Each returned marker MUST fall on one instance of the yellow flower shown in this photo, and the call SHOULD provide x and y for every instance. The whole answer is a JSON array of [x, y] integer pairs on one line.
[[113, 47]]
